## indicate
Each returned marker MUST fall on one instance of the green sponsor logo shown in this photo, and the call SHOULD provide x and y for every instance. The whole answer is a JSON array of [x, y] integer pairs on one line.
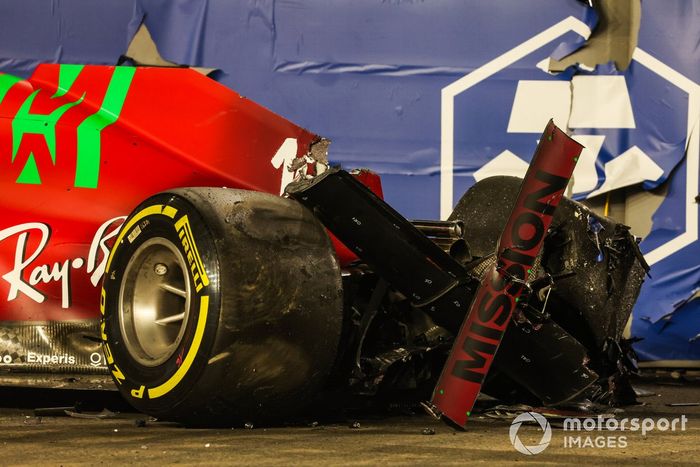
[[26, 123]]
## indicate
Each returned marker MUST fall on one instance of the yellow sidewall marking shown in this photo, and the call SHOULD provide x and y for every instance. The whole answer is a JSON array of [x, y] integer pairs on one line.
[[138, 393], [168, 211], [184, 231], [102, 302], [191, 353], [118, 375]]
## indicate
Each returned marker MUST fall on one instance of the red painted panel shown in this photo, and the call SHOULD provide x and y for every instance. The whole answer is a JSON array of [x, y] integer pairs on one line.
[[176, 128], [490, 312]]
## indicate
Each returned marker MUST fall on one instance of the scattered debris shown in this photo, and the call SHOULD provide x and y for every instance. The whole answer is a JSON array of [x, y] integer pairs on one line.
[[355, 425], [313, 424], [430, 409], [507, 411], [74, 411], [643, 392], [207, 445], [248, 426], [428, 431], [105, 413], [31, 420], [54, 411], [572, 410]]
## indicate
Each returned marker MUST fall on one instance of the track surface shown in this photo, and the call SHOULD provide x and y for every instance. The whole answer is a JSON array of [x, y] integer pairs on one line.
[[394, 440]]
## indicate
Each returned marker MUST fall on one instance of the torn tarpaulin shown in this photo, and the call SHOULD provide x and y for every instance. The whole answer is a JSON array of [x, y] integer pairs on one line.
[[671, 341], [36, 31]]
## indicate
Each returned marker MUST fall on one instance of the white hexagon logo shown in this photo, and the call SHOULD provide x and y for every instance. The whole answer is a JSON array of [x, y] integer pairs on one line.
[[571, 24]]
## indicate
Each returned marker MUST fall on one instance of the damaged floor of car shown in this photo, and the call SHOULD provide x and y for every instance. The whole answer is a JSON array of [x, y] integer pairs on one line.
[[51, 437]]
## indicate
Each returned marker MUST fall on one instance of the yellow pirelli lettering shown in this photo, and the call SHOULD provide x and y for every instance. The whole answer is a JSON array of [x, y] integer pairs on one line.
[[138, 393], [118, 375], [103, 333], [184, 231], [167, 211], [166, 387], [103, 298], [108, 353]]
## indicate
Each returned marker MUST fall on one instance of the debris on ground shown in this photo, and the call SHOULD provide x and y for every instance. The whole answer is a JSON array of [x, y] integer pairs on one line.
[[76, 411], [640, 392], [104, 414], [506, 412]]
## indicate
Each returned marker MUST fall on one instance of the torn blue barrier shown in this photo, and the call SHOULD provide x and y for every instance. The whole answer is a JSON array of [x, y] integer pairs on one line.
[[673, 340]]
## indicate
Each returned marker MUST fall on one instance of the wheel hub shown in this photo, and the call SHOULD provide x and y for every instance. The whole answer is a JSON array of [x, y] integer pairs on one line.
[[154, 302]]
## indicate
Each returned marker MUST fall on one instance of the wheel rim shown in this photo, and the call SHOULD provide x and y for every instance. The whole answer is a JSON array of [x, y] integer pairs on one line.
[[154, 302]]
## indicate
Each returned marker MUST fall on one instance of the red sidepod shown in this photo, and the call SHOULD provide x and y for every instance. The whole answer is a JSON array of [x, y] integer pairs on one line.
[[81, 146]]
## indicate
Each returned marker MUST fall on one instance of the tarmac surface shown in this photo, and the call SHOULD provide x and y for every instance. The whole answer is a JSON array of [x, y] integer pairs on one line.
[[130, 438]]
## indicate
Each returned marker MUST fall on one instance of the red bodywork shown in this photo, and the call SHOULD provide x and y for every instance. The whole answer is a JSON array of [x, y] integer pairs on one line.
[[81, 146]]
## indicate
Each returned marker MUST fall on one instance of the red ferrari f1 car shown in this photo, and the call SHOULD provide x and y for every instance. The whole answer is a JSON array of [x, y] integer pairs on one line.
[[144, 237]]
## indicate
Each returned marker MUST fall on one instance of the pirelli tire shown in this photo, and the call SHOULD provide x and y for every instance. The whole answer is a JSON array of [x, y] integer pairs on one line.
[[221, 306]]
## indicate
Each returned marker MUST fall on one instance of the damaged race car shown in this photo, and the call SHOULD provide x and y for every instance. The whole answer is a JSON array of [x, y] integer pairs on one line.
[[199, 250]]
